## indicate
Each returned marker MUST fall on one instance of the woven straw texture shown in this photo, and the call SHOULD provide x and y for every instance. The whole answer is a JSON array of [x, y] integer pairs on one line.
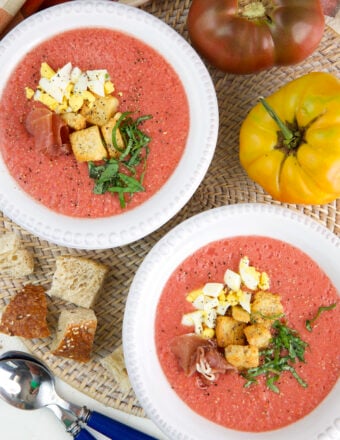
[[225, 183]]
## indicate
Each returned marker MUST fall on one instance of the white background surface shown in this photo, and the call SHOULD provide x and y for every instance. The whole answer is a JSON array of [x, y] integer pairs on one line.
[[16, 424]]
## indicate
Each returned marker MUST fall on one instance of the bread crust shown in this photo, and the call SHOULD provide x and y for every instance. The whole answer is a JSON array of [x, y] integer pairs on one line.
[[26, 314], [75, 334]]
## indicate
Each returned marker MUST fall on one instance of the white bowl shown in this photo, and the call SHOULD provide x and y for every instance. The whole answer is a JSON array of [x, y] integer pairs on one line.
[[160, 402], [134, 224]]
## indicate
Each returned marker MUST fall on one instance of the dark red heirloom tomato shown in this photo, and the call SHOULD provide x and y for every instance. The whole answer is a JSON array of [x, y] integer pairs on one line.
[[256, 36]]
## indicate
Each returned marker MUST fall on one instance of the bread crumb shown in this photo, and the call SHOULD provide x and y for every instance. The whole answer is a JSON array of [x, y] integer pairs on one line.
[[115, 365]]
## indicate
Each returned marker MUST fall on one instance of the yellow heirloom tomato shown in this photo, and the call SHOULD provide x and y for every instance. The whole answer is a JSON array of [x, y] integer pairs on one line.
[[290, 142]]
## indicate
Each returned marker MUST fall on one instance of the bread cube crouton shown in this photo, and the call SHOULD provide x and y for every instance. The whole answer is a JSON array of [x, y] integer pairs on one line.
[[266, 307], [77, 280], [258, 335], [18, 264], [229, 331], [242, 356], [75, 334], [74, 120], [107, 135], [87, 145], [239, 314], [100, 111]]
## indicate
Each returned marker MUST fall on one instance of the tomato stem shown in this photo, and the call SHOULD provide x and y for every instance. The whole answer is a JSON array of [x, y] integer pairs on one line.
[[254, 10], [291, 140]]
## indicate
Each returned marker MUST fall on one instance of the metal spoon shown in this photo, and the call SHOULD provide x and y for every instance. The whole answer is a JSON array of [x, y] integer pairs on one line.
[[26, 383], [20, 388]]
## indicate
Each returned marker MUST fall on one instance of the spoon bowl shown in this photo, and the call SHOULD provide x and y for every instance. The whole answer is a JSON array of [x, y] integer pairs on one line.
[[27, 383]]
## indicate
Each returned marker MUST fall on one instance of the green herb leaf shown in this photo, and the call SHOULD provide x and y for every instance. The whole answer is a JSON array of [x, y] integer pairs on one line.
[[285, 349], [119, 175], [310, 322]]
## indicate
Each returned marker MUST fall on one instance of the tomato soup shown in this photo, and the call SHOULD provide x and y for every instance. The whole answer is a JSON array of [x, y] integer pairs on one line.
[[303, 288], [144, 83]]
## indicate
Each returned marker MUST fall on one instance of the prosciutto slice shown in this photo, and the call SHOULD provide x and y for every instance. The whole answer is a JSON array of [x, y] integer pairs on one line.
[[198, 354], [51, 133]]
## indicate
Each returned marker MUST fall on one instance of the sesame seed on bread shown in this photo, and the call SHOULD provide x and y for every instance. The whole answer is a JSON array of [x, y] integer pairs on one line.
[[25, 315], [75, 334]]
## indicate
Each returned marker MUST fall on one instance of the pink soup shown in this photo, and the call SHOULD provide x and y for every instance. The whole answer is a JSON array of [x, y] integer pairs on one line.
[[303, 288], [146, 84]]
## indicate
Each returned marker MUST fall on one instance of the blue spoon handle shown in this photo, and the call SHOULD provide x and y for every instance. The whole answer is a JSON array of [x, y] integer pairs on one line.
[[84, 434], [114, 429]]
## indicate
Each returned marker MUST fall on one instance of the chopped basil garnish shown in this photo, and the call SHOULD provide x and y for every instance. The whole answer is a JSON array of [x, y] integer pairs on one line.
[[120, 175], [310, 322], [285, 349]]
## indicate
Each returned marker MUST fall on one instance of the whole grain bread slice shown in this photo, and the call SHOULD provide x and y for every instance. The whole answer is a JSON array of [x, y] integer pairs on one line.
[[75, 334], [25, 315], [77, 280]]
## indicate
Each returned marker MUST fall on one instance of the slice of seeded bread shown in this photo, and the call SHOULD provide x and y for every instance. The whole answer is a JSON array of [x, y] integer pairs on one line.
[[115, 365], [77, 280], [25, 314], [75, 334], [15, 260]]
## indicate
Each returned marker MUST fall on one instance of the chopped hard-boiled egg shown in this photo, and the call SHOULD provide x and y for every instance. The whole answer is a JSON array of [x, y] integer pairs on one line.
[[66, 89], [244, 301], [196, 319], [232, 280], [210, 317], [215, 298], [213, 289], [249, 275], [264, 281], [29, 92], [46, 71], [108, 87]]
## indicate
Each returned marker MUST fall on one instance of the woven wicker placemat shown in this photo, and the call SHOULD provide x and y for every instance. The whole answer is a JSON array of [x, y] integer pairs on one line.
[[225, 183]]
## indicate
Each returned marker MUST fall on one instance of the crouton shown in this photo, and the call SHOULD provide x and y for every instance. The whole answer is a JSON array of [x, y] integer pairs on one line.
[[77, 280], [107, 135], [242, 356], [239, 314], [100, 111], [74, 120], [229, 331], [266, 307], [258, 335], [87, 145]]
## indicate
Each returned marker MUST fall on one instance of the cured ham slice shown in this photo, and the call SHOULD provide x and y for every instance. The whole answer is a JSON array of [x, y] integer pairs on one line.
[[51, 133], [198, 354]]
